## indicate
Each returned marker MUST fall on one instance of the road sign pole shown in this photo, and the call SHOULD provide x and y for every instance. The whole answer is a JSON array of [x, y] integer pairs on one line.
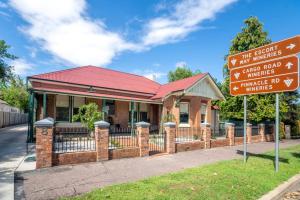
[[277, 134], [245, 129]]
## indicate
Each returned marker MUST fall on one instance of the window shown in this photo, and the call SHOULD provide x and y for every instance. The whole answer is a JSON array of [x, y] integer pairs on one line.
[[62, 108], [77, 102], [184, 113], [203, 112], [111, 106], [143, 112]]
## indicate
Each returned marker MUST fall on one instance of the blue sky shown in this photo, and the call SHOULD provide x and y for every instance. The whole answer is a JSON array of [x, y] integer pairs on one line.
[[144, 37]]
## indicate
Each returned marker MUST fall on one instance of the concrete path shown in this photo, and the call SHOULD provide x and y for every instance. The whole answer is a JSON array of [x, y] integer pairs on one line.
[[12, 152], [69, 180]]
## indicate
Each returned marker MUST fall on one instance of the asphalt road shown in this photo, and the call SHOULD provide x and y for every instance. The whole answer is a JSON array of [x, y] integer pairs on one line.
[[12, 151]]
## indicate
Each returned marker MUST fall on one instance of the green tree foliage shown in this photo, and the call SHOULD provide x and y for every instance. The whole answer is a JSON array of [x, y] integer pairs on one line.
[[14, 92], [88, 115], [5, 69], [181, 73], [260, 107]]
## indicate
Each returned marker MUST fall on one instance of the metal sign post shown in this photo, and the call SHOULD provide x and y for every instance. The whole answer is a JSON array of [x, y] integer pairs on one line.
[[267, 69], [277, 134], [245, 129]]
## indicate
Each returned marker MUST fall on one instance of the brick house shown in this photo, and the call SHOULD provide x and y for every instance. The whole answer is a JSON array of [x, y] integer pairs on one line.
[[125, 98]]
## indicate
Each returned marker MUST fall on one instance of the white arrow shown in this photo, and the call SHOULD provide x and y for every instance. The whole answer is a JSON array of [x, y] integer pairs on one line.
[[233, 61], [288, 82], [289, 65], [291, 46], [235, 88], [237, 75]]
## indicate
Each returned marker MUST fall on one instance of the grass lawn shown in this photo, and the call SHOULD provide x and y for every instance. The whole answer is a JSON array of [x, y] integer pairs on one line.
[[224, 180]]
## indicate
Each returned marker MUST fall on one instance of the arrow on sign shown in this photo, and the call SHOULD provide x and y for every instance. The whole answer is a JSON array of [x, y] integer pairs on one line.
[[289, 65], [237, 75], [291, 46], [235, 88], [233, 61], [288, 82]]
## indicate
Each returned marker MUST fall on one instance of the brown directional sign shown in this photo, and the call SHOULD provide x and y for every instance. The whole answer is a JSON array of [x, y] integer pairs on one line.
[[277, 67], [286, 82], [268, 52]]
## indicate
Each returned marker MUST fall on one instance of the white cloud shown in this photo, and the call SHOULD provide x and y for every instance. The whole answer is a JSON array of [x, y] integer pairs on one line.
[[181, 64], [185, 18], [154, 75], [150, 74], [63, 30], [21, 67]]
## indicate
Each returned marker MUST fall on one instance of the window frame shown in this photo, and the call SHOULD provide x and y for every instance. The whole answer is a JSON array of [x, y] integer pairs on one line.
[[188, 113]]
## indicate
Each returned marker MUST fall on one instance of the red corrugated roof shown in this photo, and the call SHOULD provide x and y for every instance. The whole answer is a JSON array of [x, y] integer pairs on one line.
[[179, 85], [102, 77], [73, 92], [111, 79]]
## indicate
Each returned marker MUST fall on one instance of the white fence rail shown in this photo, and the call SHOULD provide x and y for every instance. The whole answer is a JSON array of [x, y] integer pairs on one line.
[[12, 118]]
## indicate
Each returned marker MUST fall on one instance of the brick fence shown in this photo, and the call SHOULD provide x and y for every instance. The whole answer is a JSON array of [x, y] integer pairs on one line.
[[99, 148]]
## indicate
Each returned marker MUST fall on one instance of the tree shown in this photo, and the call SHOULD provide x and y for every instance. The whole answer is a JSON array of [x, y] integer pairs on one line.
[[180, 73], [14, 92], [88, 115], [260, 107], [5, 69]]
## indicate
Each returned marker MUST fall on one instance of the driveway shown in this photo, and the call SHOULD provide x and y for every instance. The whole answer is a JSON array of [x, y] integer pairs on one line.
[[12, 151], [59, 181]]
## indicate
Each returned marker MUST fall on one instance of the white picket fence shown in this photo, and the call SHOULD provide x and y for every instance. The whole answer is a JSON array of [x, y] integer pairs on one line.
[[12, 118]]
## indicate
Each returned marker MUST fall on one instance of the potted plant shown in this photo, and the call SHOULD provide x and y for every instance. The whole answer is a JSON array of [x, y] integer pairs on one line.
[[88, 115]]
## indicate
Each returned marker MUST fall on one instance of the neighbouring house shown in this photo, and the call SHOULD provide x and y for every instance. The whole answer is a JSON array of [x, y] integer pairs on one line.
[[125, 98], [5, 107]]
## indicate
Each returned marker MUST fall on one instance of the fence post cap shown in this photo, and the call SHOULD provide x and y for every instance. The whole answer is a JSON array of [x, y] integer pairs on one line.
[[143, 124], [47, 122], [205, 124], [248, 124], [229, 124], [170, 124], [102, 124]]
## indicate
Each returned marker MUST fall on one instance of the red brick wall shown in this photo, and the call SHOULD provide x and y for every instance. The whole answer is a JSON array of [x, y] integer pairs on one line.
[[122, 113], [74, 158], [96, 101], [123, 153], [238, 140], [219, 143], [256, 139], [269, 138], [189, 146], [51, 105]]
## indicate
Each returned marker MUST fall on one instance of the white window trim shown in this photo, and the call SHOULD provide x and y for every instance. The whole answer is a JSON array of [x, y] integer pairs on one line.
[[185, 125]]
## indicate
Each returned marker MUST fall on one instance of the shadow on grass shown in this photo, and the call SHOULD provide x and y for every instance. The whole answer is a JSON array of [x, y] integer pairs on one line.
[[296, 155], [265, 156]]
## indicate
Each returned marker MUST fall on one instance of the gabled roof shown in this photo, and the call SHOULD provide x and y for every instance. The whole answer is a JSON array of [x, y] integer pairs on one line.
[[104, 78], [179, 85]]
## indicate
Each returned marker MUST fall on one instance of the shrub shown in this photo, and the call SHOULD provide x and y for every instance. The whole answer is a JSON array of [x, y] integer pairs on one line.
[[88, 115]]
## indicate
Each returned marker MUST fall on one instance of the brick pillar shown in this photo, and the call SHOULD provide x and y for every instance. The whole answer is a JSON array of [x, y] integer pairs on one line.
[[101, 138], [170, 136], [230, 133], [249, 133], [261, 132], [206, 134], [143, 137], [44, 142]]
